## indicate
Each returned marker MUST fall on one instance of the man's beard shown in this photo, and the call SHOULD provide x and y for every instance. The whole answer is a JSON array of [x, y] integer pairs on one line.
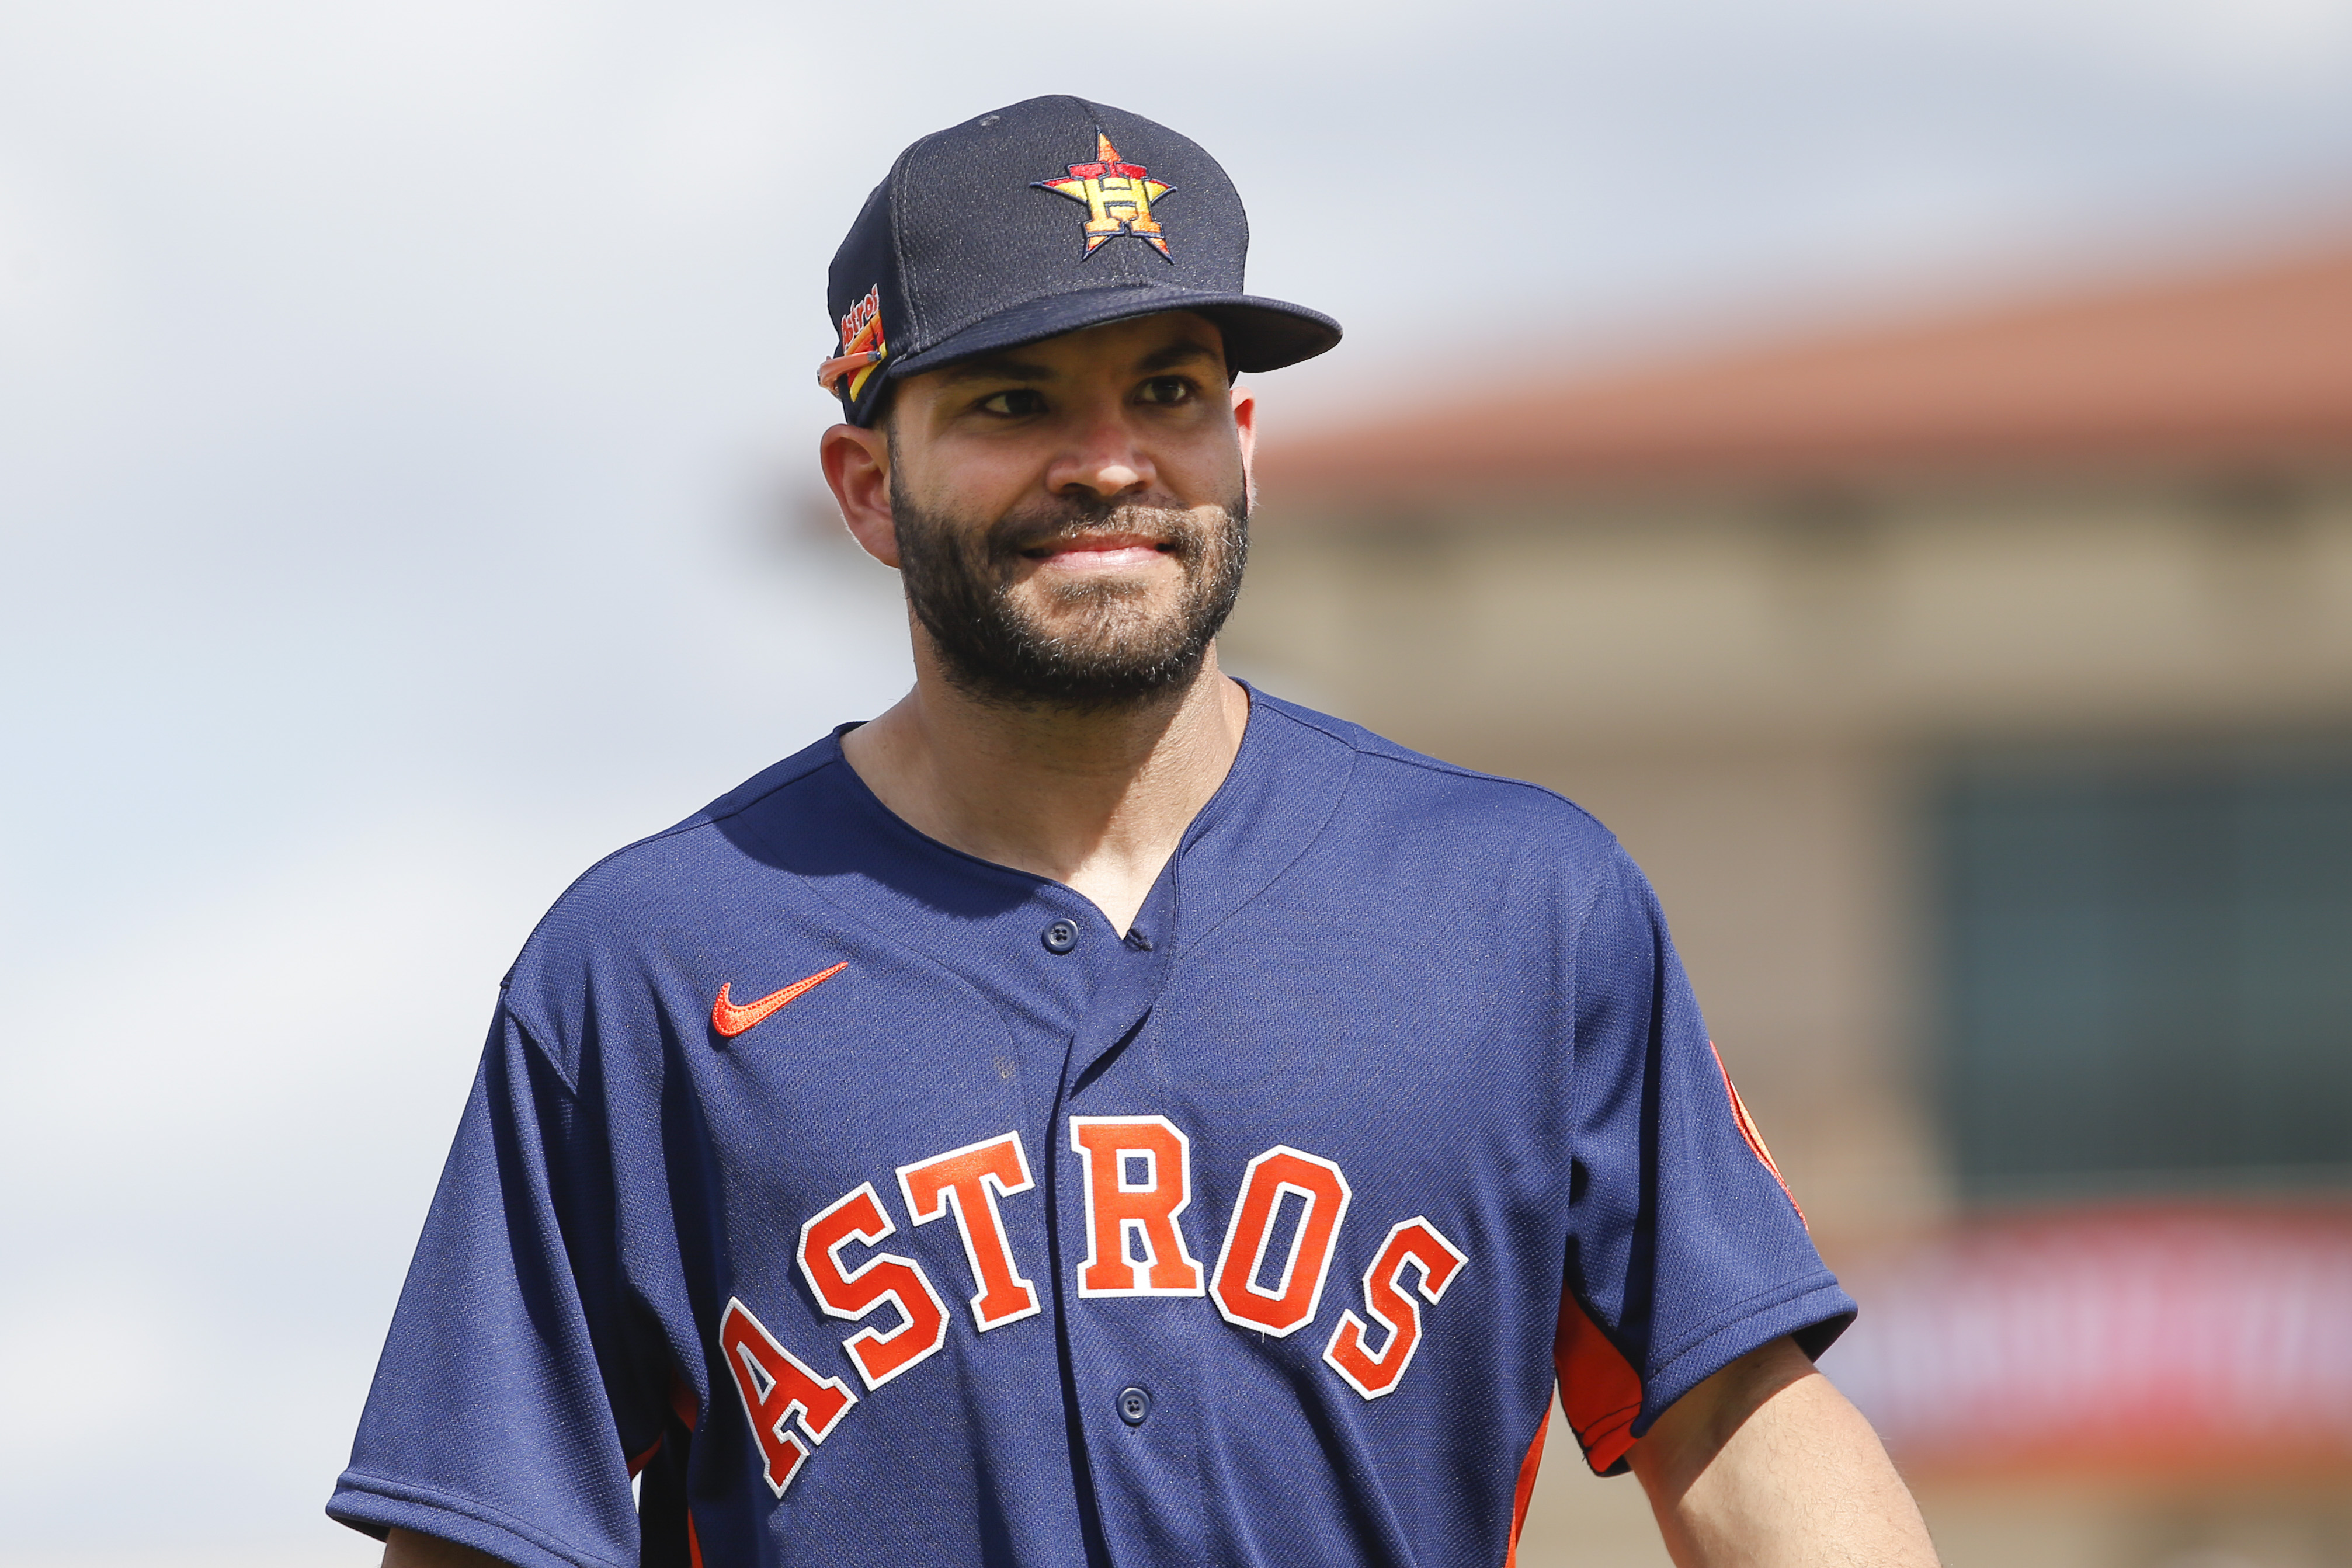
[[1113, 650]]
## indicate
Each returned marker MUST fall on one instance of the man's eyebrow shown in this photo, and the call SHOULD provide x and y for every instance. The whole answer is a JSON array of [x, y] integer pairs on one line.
[[1176, 354], [996, 368]]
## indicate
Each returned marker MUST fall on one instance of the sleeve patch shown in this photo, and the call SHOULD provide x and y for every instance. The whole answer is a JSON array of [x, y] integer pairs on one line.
[[1746, 1124]]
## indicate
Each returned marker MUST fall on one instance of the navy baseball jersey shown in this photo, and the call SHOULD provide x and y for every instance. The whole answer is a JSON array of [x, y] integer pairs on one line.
[[870, 1203]]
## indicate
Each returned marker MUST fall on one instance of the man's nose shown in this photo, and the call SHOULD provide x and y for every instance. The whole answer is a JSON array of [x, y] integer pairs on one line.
[[1103, 457]]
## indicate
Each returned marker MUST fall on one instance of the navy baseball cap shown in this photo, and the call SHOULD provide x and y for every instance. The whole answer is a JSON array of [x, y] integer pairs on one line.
[[1040, 219]]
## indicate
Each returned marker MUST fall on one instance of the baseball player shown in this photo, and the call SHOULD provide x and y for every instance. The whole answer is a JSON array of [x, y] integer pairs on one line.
[[1097, 1113]]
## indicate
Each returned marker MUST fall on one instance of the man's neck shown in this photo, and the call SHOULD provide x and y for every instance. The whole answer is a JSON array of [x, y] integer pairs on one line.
[[1094, 799]]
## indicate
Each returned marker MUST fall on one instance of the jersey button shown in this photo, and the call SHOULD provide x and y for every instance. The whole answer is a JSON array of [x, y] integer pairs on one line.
[[1134, 1404], [1060, 937]]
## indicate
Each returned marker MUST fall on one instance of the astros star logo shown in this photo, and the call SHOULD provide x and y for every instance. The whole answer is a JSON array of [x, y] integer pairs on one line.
[[1118, 198]]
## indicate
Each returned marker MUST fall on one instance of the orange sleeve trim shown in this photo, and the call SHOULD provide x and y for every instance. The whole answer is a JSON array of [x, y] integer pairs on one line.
[[642, 1460], [1527, 1492], [1599, 1388]]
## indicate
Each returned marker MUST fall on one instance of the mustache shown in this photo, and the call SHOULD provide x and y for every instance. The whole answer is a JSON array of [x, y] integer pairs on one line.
[[1074, 518]]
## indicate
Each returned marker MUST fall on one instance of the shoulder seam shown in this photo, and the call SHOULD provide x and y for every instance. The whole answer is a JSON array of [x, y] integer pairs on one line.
[[1405, 758], [703, 819], [538, 1047]]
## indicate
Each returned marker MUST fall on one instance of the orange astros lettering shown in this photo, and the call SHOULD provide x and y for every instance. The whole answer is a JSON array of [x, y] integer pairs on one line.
[[1137, 1178], [730, 1020]]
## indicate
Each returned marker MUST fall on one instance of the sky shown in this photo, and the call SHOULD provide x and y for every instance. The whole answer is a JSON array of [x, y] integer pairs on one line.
[[407, 496]]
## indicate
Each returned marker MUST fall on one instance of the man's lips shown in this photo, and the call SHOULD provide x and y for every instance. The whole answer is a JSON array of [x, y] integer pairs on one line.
[[1100, 552]]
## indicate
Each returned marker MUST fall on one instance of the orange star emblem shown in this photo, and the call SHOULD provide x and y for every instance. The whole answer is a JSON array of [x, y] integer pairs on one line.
[[1118, 197]]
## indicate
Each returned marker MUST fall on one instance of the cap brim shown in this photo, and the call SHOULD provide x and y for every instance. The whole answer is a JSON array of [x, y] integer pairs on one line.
[[1260, 334]]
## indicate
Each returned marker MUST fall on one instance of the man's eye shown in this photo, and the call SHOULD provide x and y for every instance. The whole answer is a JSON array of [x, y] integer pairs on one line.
[[1014, 403], [1167, 390]]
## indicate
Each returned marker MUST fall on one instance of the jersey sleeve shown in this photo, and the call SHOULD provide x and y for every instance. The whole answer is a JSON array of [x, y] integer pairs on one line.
[[1685, 1251], [503, 1412]]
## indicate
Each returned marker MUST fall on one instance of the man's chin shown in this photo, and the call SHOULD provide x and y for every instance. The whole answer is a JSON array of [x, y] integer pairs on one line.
[[1120, 653], [1091, 574], [1088, 661], [1086, 607]]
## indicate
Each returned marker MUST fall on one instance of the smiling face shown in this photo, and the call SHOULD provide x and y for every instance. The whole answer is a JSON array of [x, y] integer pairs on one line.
[[1070, 516]]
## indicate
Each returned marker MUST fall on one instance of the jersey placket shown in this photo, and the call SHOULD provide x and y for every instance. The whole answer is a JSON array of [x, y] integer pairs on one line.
[[1132, 1363]]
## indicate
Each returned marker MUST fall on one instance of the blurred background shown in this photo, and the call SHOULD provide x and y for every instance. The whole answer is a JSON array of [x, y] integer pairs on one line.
[[1893, 461]]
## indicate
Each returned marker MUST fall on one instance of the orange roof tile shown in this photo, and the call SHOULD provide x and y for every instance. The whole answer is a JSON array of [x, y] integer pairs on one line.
[[2248, 367]]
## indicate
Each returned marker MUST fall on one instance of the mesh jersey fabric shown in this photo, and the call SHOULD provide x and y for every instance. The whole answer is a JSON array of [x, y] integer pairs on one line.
[[1454, 990]]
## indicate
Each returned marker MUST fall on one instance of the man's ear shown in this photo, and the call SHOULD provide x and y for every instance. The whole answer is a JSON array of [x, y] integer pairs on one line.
[[1246, 429], [857, 465]]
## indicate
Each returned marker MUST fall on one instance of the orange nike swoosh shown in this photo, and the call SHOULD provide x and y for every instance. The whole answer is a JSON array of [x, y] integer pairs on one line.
[[730, 1020]]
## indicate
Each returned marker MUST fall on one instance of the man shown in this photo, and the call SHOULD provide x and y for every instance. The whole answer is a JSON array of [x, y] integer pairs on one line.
[[1096, 1113]]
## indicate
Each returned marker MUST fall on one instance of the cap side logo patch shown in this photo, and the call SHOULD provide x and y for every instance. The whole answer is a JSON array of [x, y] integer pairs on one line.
[[1118, 197], [861, 334]]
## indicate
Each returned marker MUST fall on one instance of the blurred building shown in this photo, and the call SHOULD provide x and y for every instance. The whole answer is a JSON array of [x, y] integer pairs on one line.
[[1978, 693]]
